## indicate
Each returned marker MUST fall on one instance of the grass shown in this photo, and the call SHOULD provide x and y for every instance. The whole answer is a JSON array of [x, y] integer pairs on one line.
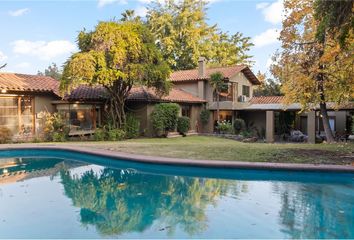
[[213, 148]]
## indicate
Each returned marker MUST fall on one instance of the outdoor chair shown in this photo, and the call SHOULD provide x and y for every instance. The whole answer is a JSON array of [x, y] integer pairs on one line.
[[297, 136]]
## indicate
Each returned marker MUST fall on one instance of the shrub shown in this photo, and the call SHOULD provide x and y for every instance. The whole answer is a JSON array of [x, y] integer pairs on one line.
[[204, 116], [132, 126], [164, 117], [115, 134], [246, 133], [239, 125], [59, 137], [5, 135], [99, 135], [55, 127], [183, 124], [224, 127]]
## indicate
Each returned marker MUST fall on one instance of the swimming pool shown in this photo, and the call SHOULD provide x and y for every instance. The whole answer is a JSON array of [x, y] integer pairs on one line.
[[63, 194]]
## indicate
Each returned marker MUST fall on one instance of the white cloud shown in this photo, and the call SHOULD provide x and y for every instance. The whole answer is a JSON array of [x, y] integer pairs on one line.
[[141, 11], [272, 12], [268, 37], [3, 57], [42, 49], [102, 3], [19, 12]]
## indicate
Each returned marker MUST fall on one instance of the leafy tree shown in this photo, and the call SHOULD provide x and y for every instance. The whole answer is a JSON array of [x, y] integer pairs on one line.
[[335, 18], [230, 49], [218, 84], [268, 87], [52, 71], [129, 15], [312, 70], [183, 35], [117, 56]]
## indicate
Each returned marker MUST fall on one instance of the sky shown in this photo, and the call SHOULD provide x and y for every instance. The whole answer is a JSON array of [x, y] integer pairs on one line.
[[33, 34]]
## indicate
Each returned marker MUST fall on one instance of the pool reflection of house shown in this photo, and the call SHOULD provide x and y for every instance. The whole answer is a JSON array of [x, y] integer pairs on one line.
[[24, 96], [19, 169]]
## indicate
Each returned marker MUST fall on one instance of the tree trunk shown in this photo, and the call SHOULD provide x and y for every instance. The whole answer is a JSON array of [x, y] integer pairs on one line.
[[323, 108], [325, 122], [117, 96]]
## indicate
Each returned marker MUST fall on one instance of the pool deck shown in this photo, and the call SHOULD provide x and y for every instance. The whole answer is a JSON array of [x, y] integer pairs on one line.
[[184, 162]]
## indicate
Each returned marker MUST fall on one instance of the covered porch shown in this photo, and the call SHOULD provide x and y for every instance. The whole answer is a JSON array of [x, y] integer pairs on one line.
[[282, 125], [82, 117]]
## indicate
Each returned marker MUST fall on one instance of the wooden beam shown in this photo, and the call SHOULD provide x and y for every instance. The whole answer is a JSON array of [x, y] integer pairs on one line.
[[33, 115], [19, 113], [94, 116]]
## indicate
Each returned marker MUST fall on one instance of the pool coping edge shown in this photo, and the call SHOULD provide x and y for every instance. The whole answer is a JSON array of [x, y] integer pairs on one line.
[[187, 162]]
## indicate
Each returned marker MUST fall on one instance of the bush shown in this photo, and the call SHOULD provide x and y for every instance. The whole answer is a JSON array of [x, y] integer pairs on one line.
[[55, 128], [164, 117], [204, 116], [115, 134], [246, 133], [224, 127], [183, 124], [132, 126], [99, 135], [239, 125], [59, 137], [5, 135]]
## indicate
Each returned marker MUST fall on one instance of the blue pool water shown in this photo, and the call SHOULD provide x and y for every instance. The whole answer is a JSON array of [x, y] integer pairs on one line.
[[56, 194]]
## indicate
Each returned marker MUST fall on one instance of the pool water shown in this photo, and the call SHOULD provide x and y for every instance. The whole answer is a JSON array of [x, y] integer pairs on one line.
[[56, 194]]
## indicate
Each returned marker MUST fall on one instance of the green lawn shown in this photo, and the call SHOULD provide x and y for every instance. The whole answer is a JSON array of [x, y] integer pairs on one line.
[[201, 147]]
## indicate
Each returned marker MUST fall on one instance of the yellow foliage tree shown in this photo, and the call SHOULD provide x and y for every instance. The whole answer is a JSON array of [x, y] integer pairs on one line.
[[313, 71]]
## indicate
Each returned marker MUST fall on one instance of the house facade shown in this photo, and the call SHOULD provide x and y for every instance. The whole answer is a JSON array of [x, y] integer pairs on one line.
[[265, 114], [24, 97]]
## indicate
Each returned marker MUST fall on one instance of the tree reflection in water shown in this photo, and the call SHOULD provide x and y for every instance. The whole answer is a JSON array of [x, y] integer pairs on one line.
[[123, 201], [315, 210]]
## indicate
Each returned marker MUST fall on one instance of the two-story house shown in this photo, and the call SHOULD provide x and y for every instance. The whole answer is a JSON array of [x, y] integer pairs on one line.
[[240, 81], [262, 113], [24, 97]]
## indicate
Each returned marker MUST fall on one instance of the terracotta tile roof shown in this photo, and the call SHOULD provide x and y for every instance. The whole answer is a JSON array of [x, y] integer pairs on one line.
[[84, 92], [136, 94], [228, 72], [28, 83], [175, 95], [267, 100]]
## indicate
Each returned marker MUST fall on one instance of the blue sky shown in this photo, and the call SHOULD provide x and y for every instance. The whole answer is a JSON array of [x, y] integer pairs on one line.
[[33, 34]]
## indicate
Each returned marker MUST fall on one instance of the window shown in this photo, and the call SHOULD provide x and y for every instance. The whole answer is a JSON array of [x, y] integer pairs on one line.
[[186, 110], [332, 123], [226, 94], [80, 116], [16, 114], [246, 90]]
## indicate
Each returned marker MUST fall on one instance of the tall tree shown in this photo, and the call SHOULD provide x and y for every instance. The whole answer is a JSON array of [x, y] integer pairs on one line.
[[51, 71], [183, 35], [117, 56], [312, 70], [335, 18], [218, 84], [230, 49]]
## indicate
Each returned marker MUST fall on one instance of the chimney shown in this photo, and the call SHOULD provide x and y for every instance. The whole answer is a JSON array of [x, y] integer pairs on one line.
[[201, 74], [201, 67]]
